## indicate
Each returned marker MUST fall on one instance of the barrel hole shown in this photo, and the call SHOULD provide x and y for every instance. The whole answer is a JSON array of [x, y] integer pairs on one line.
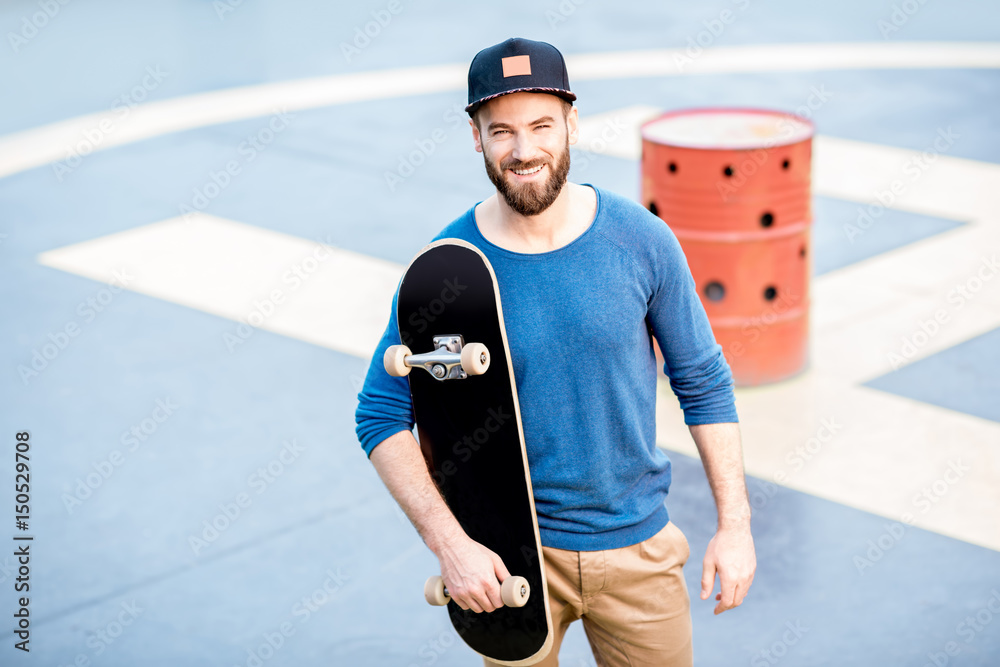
[[767, 219], [770, 293], [672, 167], [652, 209], [786, 164], [802, 251], [728, 171], [715, 291]]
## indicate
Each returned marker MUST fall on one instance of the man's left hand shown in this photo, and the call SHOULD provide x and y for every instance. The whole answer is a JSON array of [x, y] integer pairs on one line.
[[731, 554]]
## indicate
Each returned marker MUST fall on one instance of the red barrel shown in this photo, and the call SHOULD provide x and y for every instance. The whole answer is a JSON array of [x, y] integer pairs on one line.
[[734, 186]]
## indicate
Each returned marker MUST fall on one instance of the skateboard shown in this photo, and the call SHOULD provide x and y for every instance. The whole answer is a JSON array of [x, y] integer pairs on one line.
[[454, 353]]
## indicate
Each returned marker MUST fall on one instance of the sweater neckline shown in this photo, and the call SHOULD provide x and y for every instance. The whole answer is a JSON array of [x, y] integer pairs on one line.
[[548, 253]]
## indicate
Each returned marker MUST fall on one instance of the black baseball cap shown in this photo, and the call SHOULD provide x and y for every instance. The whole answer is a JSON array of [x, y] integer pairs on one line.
[[515, 66]]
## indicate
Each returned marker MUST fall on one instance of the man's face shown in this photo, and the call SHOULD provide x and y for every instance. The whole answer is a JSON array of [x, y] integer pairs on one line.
[[525, 139]]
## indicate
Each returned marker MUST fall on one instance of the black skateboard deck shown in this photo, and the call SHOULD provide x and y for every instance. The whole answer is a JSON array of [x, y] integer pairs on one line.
[[469, 427]]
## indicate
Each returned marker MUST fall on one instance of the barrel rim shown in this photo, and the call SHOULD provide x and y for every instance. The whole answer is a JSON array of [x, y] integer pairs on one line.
[[719, 110]]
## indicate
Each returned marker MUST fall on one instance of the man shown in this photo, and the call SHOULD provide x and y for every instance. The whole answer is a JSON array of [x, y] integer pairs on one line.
[[586, 277]]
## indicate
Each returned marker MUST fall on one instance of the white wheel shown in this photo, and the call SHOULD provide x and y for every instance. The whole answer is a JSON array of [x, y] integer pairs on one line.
[[475, 358], [434, 592], [514, 591], [395, 360]]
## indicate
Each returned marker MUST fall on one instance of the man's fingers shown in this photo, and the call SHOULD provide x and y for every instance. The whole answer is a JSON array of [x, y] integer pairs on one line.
[[477, 603], [728, 594], [467, 604], [500, 568], [493, 594], [707, 578], [727, 602], [740, 596]]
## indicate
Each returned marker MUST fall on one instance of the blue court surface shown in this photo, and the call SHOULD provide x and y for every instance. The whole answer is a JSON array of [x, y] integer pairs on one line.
[[197, 493]]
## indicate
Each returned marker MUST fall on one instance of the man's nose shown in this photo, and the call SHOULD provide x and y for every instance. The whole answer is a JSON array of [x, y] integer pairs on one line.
[[524, 148]]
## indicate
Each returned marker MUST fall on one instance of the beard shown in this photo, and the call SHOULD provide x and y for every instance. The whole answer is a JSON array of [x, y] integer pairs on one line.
[[529, 199]]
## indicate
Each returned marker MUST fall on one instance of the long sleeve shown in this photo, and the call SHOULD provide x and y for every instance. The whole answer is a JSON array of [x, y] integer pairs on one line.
[[698, 371], [384, 404]]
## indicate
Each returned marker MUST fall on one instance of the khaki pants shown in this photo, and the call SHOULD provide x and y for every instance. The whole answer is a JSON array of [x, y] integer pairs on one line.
[[633, 601]]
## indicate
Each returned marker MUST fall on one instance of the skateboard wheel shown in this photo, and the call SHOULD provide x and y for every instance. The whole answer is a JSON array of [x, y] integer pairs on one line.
[[395, 360], [475, 358], [514, 591], [435, 593]]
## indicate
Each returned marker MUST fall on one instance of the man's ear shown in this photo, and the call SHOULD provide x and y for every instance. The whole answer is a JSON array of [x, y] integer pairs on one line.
[[477, 140], [573, 126]]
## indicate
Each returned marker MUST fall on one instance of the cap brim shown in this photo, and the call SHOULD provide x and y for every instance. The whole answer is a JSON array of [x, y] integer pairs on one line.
[[565, 94]]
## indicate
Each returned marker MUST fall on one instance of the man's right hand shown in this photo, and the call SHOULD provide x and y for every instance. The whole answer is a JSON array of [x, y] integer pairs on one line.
[[472, 574]]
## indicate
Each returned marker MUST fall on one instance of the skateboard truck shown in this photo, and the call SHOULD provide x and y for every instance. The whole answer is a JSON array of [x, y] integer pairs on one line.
[[452, 359], [514, 591]]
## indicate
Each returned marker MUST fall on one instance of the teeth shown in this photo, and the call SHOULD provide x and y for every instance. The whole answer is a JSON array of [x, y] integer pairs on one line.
[[525, 172]]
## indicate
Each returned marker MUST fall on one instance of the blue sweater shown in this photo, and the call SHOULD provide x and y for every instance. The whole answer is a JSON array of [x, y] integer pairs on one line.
[[579, 321]]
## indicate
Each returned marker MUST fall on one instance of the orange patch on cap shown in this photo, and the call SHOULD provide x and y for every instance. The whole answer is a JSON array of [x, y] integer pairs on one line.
[[516, 66]]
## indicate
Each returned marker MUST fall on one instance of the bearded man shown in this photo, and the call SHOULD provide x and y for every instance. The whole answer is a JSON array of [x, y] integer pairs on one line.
[[587, 279]]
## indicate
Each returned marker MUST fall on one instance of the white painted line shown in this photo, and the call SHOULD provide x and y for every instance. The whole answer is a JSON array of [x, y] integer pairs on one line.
[[877, 452], [898, 307], [932, 183], [935, 184], [284, 284], [784, 58], [51, 143], [615, 133]]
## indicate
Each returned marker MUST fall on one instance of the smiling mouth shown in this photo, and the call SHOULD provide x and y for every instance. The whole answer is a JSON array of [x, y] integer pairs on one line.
[[527, 172]]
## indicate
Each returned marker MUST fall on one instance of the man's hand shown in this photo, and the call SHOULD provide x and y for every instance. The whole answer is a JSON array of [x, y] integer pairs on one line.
[[472, 574], [731, 554]]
